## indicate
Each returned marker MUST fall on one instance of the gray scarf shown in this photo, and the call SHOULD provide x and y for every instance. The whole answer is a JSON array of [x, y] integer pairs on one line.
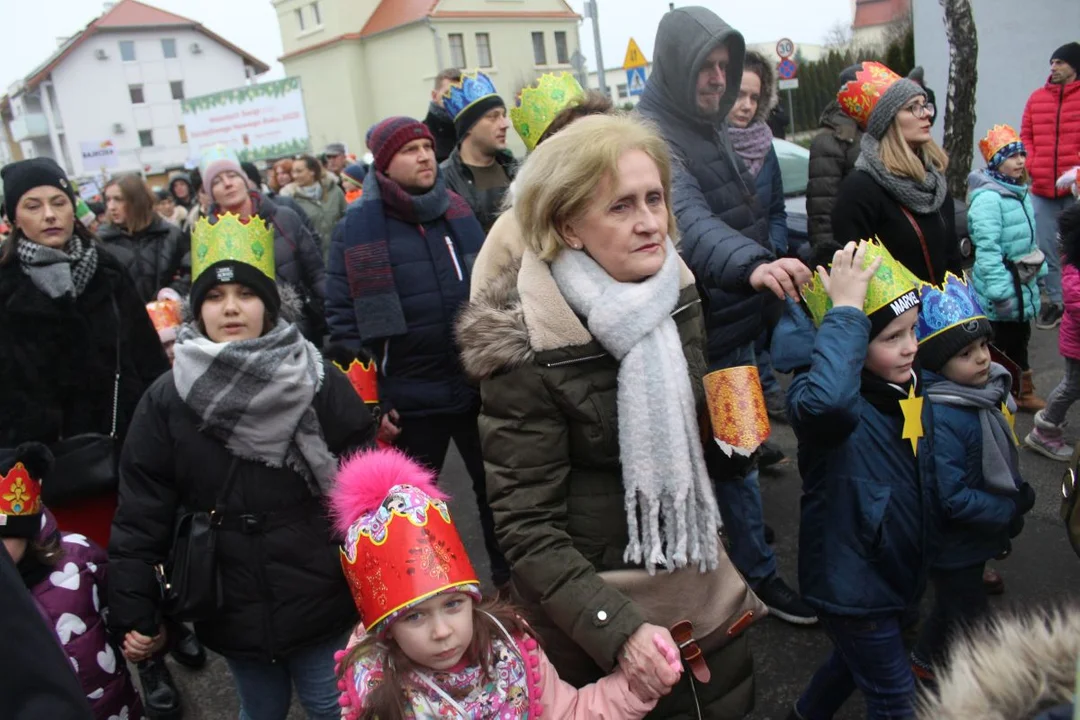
[[999, 456], [255, 397], [58, 272], [921, 198], [752, 143], [663, 465], [312, 192]]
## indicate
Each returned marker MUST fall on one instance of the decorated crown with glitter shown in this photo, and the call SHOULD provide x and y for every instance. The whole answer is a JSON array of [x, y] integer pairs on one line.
[[230, 238], [537, 106], [21, 471], [891, 282], [946, 306], [1000, 137], [860, 96], [473, 87]]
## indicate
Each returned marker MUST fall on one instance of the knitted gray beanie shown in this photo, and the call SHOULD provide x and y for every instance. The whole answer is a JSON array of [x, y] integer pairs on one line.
[[890, 104]]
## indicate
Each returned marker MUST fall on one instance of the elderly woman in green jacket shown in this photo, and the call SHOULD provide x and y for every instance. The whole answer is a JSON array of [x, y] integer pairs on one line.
[[590, 357]]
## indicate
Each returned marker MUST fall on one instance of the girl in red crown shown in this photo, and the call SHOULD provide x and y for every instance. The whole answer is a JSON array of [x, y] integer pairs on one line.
[[434, 647]]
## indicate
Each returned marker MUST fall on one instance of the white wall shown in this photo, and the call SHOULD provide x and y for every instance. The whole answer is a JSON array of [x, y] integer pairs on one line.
[[92, 95], [616, 78], [1015, 43]]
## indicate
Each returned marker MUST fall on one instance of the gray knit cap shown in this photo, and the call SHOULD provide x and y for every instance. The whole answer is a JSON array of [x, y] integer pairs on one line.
[[891, 103]]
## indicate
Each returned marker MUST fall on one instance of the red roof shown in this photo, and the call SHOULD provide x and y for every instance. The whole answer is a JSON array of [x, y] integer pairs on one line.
[[395, 13], [134, 14], [869, 13]]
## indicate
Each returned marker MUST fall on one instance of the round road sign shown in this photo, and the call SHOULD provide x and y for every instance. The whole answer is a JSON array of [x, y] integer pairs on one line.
[[787, 69], [785, 48]]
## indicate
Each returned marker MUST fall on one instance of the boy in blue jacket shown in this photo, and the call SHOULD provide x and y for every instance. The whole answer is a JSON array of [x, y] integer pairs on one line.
[[869, 496], [983, 497]]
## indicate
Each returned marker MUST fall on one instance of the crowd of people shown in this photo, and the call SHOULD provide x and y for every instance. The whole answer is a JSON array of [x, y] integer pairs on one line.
[[227, 402]]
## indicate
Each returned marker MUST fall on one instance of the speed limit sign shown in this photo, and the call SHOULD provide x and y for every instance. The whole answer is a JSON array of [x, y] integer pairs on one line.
[[785, 48]]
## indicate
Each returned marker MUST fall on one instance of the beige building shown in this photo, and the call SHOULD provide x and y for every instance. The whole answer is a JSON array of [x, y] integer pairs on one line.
[[360, 61]]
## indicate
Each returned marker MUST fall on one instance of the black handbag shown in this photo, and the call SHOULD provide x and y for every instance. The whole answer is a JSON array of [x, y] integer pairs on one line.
[[189, 581], [86, 465]]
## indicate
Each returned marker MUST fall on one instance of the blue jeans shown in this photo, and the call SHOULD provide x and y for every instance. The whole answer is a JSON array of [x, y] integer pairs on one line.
[[265, 688], [769, 384], [1046, 222], [740, 502], [868, 655]]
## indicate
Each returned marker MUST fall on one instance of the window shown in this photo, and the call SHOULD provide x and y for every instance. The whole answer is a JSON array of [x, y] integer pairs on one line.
[[317, 13], [457, 50], [300, 18], [127, 50], [539, 51], [483, 49], [146, 138], [136, 93], [562, 55], [623, 93], [177, 87], [182, 129], [168, 47]]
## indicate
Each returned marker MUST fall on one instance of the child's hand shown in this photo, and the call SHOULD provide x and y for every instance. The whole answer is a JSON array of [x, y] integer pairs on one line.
[[847, 280], [670, 653], [138, 647]]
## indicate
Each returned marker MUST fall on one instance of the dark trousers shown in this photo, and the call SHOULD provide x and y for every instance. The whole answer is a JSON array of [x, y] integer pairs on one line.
[[427, 439], [959, 603], [1012, 338], [868, 655]]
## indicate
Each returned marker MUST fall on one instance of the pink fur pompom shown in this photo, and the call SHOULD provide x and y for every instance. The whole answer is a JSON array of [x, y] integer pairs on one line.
[[364, 480]]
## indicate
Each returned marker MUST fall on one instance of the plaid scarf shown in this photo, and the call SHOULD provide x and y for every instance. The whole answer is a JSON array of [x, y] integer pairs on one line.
[[58, 272], [255, 397]]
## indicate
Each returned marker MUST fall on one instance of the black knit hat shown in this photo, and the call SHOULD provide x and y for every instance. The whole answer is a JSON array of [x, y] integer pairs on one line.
[[471, 115], [1068, 53], [21, 472], [940, 349], [23, 176], [234, 271]]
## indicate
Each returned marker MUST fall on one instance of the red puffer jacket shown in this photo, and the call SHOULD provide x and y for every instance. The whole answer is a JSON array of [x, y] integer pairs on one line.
[[1051, 135]]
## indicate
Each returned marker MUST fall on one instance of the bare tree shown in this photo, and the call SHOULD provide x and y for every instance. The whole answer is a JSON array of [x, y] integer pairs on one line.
[[838, 37], [960, 106]]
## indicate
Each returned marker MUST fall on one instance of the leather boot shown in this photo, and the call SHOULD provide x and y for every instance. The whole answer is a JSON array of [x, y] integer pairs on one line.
[[1028, 400], [161, 699], [186, 648]]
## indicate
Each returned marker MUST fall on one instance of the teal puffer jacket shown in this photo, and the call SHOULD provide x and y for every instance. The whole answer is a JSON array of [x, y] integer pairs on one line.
[[1001, 221]]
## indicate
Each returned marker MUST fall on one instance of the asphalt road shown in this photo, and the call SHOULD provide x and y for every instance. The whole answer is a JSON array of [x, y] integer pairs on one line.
[[1041, 570]]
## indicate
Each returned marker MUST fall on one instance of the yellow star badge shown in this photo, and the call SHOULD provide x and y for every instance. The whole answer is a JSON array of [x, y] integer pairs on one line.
[[1011, 419], [913, 429]]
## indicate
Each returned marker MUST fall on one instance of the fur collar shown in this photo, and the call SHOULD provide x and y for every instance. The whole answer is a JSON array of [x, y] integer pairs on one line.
[[520, 314]]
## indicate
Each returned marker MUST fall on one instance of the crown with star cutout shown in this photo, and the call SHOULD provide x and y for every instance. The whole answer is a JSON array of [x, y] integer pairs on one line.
[[945, 306], [537, 106]]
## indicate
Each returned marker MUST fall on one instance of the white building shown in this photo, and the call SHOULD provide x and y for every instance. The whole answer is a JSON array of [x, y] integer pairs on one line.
[[120, 81], [617, 85]]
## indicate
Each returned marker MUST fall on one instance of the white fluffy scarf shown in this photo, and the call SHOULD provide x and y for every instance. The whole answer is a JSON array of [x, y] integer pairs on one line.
[[670, 506]]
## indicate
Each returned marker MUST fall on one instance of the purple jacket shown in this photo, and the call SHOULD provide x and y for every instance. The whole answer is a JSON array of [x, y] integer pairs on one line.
[[70, 596]]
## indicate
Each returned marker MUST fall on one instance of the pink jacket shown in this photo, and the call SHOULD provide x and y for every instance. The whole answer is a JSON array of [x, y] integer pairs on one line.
[[1069, 335]]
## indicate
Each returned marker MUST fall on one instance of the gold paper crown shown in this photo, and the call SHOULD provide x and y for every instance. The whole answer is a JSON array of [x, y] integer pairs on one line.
[[998, 137], [538, 106], [890, 281], [251, 243]]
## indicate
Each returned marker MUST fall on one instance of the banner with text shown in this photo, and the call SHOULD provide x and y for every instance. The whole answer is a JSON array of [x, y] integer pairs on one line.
[[259, 122], [98, 155]]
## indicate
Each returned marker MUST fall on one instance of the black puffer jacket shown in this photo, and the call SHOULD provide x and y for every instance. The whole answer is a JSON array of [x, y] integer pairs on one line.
[[485, 204], [441, 126], [724, 229], [157, 256], [833, 153], [283, 587]]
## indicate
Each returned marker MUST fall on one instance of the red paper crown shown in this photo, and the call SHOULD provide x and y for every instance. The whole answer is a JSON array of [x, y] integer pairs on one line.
[[998, 137], [165, 314], [859, 97], [364, 378], [401, 547], [20, 494]]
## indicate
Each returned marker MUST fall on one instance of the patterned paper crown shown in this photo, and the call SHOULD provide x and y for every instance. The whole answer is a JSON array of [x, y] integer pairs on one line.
[[1000, 137], [538, 106], [948, 305], [473, 87], [20, 494], [891, 281], [165, 314], [215, 153], [859, 97], [364, 378], [231, 239], [401, 547]]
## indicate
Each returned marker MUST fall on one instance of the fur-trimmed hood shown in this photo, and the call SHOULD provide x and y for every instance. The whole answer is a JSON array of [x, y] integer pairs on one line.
[[1013, 669], [769, 92]]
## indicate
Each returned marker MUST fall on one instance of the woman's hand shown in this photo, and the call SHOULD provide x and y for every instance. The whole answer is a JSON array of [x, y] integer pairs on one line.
[[783, 277], [847, 280], [648, 670], [389, 427], [138, 647]]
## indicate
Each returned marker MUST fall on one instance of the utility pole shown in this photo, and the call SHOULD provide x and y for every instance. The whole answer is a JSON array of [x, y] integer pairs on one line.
[[593, 12]]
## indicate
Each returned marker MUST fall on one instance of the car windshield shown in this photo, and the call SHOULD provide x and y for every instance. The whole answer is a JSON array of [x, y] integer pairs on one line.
[[794, 166]]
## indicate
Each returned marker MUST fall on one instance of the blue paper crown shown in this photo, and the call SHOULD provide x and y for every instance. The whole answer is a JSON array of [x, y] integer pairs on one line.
[[948, 305], [473, 87]]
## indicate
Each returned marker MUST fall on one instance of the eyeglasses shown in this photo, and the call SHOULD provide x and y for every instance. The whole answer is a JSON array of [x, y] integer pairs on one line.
[[922, 110]]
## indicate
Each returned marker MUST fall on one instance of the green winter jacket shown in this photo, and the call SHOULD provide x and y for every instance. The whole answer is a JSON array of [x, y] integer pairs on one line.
[[325, 212], [549, 434]]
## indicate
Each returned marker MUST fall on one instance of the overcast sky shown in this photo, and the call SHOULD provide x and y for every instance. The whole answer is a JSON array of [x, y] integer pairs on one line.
[[33, 26]]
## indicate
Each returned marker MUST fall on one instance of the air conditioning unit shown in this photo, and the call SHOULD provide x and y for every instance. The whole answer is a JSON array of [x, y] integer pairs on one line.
[[100, 54], [118, 128], [195, 49]]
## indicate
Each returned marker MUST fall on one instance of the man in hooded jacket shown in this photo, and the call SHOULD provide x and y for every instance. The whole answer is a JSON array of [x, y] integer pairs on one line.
[[696, 74]]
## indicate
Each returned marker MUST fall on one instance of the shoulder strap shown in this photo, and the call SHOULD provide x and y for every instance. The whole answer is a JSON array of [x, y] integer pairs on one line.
[[116, 375], [922, 242], [218, 512]]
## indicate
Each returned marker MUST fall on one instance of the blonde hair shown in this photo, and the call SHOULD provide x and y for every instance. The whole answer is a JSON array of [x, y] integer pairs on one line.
[[899, 159], [557, 183]]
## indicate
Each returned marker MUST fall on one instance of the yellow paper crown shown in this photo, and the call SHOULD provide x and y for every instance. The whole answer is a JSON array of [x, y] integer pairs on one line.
[[998, 137], [891, 281], [538, 106], [251, 243]]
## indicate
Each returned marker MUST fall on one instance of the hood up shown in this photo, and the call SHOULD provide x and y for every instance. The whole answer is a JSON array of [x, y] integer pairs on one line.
[[978, 180]]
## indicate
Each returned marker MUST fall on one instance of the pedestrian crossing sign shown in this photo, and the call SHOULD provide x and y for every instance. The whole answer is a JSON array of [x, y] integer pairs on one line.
[[635, 81]]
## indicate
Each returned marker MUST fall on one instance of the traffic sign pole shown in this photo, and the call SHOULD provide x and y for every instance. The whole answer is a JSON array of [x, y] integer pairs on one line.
[[788, 70]]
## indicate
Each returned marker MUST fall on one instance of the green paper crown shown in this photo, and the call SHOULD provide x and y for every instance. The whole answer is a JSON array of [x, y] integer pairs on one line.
[[890, 281], [251, 243], [538, 106]]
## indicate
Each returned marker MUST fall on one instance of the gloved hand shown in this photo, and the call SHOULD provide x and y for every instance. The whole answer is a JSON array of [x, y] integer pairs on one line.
[[1016, 525], [1024, 499]]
